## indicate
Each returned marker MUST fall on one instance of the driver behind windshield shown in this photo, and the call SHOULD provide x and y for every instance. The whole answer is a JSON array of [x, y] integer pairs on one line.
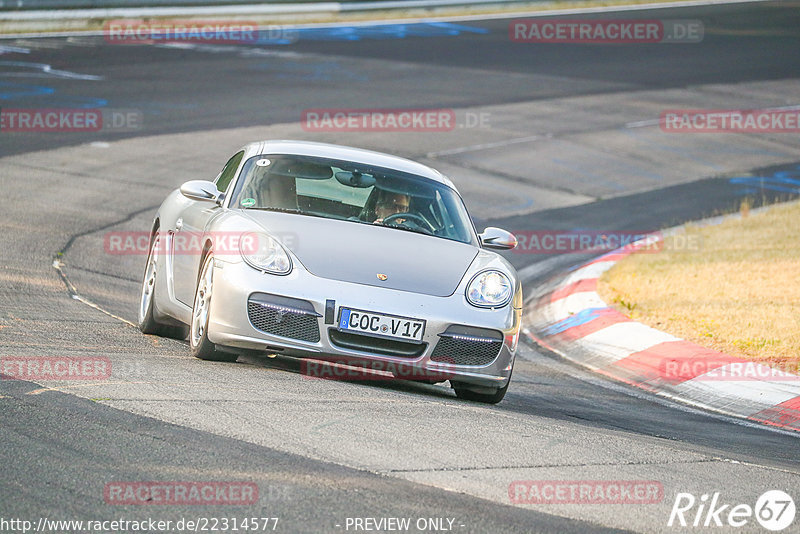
[[388, 204]]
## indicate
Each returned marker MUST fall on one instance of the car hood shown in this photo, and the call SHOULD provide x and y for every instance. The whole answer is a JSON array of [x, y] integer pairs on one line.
[[358, 253]]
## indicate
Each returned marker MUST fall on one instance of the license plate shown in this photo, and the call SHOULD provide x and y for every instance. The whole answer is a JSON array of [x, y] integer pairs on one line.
[[381, 324]]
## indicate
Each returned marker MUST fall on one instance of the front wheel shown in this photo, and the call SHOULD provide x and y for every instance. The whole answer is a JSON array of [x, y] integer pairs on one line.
[[147, 302], [201, 312], [480, 394]]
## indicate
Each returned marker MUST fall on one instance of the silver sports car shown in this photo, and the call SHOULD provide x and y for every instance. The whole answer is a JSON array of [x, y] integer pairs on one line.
[[333, 253]]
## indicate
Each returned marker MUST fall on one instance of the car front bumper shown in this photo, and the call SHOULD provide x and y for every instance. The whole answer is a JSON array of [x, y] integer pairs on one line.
[[230, 324]]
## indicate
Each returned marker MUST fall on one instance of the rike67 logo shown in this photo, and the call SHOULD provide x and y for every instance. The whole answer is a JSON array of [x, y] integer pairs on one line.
[[774, 510]]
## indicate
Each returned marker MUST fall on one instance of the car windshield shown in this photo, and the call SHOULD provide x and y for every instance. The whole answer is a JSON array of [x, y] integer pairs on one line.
[[355, 192]]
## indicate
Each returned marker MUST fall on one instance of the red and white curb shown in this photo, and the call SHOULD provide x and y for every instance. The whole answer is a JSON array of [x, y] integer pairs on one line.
[[568, 317]]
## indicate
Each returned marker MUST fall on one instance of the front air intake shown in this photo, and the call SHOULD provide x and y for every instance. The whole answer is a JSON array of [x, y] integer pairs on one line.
[[465, 345], [283, 316]]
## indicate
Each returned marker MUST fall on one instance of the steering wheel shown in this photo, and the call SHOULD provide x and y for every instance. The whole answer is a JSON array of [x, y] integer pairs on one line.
[[417, 221]]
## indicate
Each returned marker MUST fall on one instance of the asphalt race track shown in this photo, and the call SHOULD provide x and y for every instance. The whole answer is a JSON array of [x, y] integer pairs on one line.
[[549, 136]]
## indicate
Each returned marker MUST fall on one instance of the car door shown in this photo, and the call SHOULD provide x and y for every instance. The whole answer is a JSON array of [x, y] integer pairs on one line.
[[189, 233]]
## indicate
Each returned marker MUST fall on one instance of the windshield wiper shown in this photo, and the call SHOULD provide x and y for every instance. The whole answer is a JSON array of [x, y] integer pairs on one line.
[[269, 208], [286, 210], [407, 229]]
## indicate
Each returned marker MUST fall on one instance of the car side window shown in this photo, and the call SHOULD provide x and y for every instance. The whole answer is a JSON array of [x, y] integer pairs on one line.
[[229, 171]]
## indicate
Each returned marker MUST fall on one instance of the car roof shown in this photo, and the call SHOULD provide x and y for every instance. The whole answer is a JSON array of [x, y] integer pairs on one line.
[[358, 155]]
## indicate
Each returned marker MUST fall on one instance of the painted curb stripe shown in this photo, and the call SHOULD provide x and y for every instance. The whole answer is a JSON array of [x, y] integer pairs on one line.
[[588, 284], [574, 316], [623, 339], [673, 362], [613, 257], [570, 305], [577, 319], [785, 415], [603, 318], [588, 271], [743, 397]]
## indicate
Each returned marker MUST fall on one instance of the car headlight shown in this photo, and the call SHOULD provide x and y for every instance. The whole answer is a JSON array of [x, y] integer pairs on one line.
[[490, 289], [264, 253]]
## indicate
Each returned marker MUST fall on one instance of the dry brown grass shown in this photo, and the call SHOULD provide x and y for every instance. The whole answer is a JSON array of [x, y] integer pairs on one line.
[[738, 294]]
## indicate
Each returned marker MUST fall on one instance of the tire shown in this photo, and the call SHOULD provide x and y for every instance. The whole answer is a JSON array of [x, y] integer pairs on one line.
[[201, 311], [147, 301], [464, 392]]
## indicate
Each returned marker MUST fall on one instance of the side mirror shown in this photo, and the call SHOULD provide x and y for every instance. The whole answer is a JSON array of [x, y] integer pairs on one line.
[[497, 238], [200, 190]]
